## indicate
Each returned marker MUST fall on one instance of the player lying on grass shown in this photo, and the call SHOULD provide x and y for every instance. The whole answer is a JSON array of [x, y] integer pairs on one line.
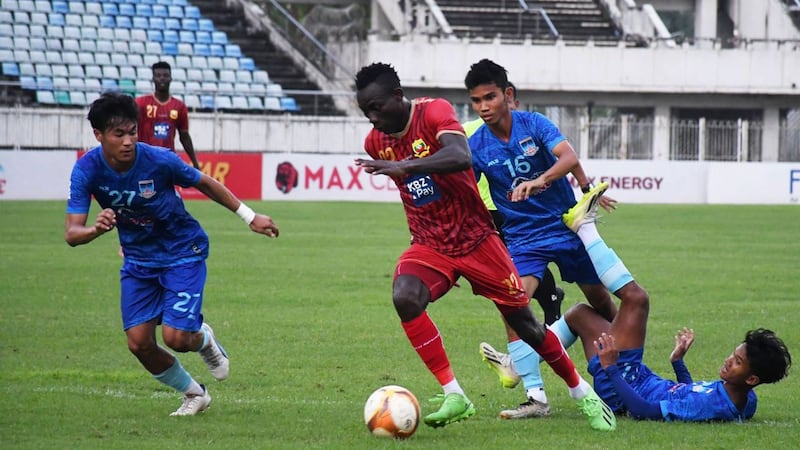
[[165, 248], [614, 352]]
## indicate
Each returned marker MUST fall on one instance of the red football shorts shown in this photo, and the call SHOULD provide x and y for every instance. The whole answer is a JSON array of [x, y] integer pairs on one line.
[[488, 268]]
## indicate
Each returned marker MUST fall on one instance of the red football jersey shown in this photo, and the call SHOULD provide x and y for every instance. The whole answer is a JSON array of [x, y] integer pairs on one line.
[[159, 121], [444, 211]]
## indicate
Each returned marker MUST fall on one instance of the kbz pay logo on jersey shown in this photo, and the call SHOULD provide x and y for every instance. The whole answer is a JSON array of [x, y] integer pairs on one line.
[[422, 188]]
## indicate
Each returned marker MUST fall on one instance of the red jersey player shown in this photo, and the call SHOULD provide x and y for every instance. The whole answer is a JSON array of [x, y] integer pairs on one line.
[[161, 115], [422, 147]]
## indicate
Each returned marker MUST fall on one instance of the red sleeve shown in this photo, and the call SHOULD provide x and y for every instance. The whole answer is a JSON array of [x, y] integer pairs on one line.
[[442, 117]]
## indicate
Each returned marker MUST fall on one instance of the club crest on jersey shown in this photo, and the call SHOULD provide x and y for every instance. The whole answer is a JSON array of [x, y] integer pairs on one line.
[[420, 148], [528, 147], [173, 114], [147, 188]]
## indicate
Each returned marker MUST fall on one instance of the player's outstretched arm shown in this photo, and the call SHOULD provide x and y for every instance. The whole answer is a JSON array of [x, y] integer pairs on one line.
[[683, 341], [77, 233], [216, 191]]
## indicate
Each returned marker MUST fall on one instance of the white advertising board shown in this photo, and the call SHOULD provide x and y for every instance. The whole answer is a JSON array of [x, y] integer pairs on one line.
[[293, 176], [35, 175], [754, 183]]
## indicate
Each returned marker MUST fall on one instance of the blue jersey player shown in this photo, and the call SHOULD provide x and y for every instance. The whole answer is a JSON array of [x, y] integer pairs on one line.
[[615, 350], [525, 160], [164, 270]]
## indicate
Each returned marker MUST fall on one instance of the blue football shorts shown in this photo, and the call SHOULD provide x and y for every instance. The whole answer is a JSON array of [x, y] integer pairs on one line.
[[570, 256], [174, 295]]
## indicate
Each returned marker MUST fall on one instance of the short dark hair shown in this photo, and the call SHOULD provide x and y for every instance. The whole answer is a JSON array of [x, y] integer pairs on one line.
[[112, 109], [161, 65], [767, 354], [486, 71], [383, 74]]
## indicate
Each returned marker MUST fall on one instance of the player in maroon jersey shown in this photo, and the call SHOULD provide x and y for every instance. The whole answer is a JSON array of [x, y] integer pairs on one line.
[[421, 145], [161, 115]]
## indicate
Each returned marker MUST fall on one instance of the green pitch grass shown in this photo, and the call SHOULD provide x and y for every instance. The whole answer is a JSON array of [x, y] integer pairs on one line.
[[309, 325]]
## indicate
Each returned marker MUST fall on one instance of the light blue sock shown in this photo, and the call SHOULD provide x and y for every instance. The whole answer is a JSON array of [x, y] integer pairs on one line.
[[175, 377], [526, 361], [565, 335], [612, 272]]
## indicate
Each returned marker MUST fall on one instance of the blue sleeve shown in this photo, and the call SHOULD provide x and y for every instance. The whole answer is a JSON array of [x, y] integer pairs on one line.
[[682, 372], [185, 175], [638, 407], [548, 133], [80, 199]]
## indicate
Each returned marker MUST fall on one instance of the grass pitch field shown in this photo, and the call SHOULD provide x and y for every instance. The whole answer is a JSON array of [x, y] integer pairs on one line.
[[308, 322]]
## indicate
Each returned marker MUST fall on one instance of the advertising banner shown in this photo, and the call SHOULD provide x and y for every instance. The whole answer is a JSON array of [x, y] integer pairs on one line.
[[239, 172], [35, 175]]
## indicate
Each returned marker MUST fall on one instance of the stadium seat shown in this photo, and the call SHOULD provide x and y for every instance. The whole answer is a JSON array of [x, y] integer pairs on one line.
[[247, 64], [144, 10], [70, 45], [186, 36], [153, 48], [239, 102], [91, 97], [120, 46], [27, 82], [259, 89], [60, 84], [62, 97], [255, 103], [175, 11], [241, 88], [189, 24], [10, 69], [59, 70], [185, 49], [73, 20], [20, 29], [157, 23], [207, 102], [37, 56], [77, 98], [172, 23], [155, 36], [53, 31], [214, 62], [111, 72], [110, 8], [205, 25], [108, 84], [105, 45], [70, 58], [21, 56], [221, 88], [184, 62], [90, 20], [140, 22], [92, 84], [219, 37], [127, 9], [228, 76], [76, 71], [45, 97], [26, 5], [76, 84], [37, 31], [178, 73], [86, 58], [171, 36], [223, 102], [230, 63], [143, 87], [144, 73], [44, 83], [26, 69], [122, 34], [192, 87], [76, 7], [260, 76], [52, 56], [289, 104], [93, 71], [105, 34], [233, 50], [199, 62], [60, 6], [160, 11], [6, 17], [107, 22], [274, 90], [191, 100], [135, 59], [124, 22], [127, 87], [95, 8], [43, 6], [7, 55], [202, 50], [244, 76], [53, 43], [169, 48], [56, 19], [177, 86], [209, 75], [217, 50], [39, 18], [21, 17], [21, 43], [202, 37], [272, 104], [37, 43], [88, 45], [85, 33], [149, 60], [119, 59], [139, 35]]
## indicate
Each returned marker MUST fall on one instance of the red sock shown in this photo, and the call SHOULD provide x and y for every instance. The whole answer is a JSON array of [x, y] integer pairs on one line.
[[427, 341], [553, 353]]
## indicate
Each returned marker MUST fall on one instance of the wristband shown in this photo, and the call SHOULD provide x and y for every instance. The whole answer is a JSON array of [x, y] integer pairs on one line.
[[587, 188], [245, 213]]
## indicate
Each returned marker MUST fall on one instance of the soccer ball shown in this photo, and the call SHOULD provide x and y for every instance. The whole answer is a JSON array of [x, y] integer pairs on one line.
[[392, 411]]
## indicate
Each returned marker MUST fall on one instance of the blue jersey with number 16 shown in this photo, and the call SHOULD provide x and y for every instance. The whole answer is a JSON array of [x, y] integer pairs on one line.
[[155, 230]]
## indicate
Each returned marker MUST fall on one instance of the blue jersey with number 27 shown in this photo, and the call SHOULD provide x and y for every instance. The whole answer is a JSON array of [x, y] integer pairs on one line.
[[155, 230]]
